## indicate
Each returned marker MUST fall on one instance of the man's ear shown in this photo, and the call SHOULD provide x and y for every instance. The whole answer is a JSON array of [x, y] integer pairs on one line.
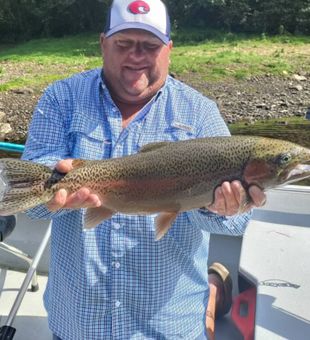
[[102, 40]]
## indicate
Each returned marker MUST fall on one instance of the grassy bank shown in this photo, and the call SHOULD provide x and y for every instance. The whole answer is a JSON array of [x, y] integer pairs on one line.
[[212, 55], [296, 130]]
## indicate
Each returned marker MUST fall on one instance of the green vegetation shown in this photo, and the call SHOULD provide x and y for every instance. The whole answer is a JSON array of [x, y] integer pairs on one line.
[[213, 55], [28, 19], [295, 129], [39, 62]]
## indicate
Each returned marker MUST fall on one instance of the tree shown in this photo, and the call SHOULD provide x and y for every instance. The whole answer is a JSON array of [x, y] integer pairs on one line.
[[25, 19]]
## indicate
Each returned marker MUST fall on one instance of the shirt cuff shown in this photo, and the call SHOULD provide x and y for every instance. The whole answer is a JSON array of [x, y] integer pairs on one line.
[[226, 225]]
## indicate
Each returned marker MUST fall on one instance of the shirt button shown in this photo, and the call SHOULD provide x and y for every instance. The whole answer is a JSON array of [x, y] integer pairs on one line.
[[116, 226], [116, 264], [117, 303]]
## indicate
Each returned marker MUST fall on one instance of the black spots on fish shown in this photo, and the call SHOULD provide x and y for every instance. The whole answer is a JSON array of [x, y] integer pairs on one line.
[[92, 175], [56, 176]]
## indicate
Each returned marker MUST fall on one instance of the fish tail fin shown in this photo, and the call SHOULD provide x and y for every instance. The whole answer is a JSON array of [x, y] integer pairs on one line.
[[23, 185]]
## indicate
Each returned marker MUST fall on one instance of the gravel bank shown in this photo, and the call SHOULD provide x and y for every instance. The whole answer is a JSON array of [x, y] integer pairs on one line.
[[254, 99]]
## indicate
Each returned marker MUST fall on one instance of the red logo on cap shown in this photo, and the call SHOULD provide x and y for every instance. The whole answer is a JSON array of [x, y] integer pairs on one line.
[[139, 7]]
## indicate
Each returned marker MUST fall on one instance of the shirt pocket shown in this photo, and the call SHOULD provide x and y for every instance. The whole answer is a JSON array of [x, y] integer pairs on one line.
[[87, 139], [174, 132]]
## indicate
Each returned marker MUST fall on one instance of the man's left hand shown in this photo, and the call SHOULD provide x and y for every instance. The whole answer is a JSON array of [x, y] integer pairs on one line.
[[231, 198]]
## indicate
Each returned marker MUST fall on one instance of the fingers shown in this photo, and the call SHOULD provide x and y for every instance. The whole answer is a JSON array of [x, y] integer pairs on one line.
[[64, 165], [234, 196], [257, 195], [58, 201], [83, 198], [219, 205], [227, 198], [231, 199]]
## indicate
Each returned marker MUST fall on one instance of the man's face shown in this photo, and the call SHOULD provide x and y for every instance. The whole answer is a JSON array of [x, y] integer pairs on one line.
[[136, 64]]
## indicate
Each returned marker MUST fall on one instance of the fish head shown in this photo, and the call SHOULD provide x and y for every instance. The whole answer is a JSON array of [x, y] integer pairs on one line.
[[276, 162]]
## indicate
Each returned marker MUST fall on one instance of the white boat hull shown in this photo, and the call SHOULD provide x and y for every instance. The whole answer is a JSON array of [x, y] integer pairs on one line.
[[288, 206]]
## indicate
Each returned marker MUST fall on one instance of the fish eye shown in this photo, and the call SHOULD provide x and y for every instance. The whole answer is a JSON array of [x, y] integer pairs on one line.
[[284, 158]]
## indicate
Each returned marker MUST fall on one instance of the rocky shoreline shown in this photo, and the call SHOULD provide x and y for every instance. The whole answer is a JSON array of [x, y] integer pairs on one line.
[[263, 98], [257, 98]]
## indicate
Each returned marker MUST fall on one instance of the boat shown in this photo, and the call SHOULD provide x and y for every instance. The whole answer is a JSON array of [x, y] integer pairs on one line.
[[269, 265]]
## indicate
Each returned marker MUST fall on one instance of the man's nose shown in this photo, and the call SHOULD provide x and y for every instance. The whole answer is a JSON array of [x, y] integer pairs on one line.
[[137, 51]]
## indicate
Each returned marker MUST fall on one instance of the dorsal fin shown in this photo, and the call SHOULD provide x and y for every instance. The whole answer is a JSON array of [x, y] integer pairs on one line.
[[153, 146], [163, 223]]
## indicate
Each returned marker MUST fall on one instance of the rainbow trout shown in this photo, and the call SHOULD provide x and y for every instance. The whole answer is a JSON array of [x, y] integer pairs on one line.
[[165, 177]]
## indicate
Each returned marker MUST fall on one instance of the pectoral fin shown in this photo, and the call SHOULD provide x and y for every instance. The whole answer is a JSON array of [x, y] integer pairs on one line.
[[94, 216], [163, 223]]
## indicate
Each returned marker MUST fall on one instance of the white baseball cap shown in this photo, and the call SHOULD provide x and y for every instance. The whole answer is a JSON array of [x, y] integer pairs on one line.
[[148, 15]]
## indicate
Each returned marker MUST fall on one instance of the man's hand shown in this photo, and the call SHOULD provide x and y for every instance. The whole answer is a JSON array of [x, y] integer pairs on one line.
[[230, 199], [83, 198]]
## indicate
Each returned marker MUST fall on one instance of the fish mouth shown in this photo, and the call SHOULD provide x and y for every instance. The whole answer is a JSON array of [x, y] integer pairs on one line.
[[299, 172]]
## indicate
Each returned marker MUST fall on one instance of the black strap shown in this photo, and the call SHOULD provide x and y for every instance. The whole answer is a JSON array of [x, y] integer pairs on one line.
[[7, 225]]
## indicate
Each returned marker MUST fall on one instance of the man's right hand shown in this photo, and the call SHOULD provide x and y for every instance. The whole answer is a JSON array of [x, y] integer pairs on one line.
[[83, 198]]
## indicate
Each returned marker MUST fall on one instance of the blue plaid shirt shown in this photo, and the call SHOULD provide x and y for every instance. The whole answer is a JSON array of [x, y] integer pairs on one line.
[[115, 281]]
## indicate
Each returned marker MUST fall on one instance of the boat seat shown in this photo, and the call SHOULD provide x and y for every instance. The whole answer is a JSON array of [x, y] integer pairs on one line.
[[7, 225]]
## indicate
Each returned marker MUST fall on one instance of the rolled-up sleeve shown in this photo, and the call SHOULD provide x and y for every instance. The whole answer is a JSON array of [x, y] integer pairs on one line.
[[47, 142], [47, 136], [227, 225]]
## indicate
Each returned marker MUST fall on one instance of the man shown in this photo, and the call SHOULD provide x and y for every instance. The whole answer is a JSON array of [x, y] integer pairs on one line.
[[115, 281]]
